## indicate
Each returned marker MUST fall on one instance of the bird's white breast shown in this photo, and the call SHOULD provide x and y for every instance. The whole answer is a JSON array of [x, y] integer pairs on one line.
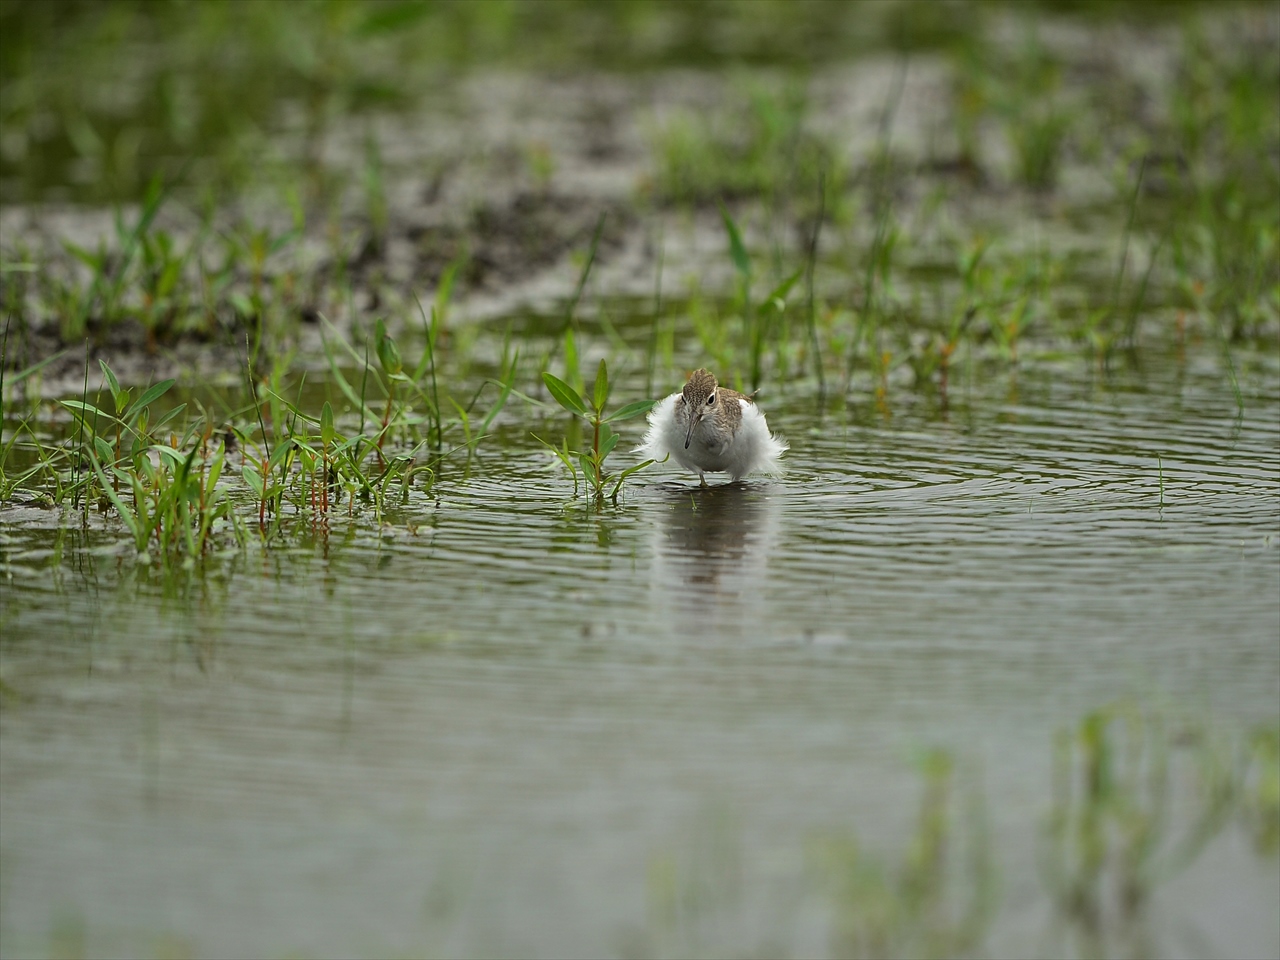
[[749, 449]]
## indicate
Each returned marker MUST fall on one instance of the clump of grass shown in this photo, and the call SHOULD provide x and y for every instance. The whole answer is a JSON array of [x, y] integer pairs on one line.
[[760, 148], [1022, 91], [746, 336], [165, 474], [200, 284], [165, 490]]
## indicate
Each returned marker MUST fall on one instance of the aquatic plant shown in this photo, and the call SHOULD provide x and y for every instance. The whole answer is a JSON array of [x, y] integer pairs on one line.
[[164, 490], [591, 461]]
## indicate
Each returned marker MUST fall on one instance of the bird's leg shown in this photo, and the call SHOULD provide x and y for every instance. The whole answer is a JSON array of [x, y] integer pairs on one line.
[[702, 477]]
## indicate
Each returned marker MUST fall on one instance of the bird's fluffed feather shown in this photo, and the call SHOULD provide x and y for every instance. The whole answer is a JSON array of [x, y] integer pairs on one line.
[[748, 448]]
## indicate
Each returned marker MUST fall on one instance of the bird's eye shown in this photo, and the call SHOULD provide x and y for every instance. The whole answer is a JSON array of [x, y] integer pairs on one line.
[[711, 399]]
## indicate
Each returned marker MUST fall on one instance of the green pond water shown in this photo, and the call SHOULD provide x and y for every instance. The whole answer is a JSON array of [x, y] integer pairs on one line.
[[510, 723]]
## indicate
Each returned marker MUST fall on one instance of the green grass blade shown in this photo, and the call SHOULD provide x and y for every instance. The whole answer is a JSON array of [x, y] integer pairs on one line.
[[128, 516], [11, 379], [737, 249], [628, 472], [778, 296]]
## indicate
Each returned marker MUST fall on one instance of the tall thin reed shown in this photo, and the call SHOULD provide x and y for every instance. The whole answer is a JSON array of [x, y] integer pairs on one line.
[[657, 313], [810, 266]]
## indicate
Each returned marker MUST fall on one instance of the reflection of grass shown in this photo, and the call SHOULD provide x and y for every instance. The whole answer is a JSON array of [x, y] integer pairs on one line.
[[1134, 799], [1134, 805], [936, 902], [1260, 784]]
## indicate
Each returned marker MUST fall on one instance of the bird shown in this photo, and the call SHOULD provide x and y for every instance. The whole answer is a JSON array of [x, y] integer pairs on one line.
[[710, 428]]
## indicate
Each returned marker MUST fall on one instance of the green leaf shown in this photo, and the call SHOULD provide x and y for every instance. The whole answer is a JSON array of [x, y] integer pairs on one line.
[[112, 383], [631, 410], [103, 450], [279, 454], [562, 454], [149, 396], [388, 352], [348, 443], [168, 416], [601, 396], [254, 479], [393, 18], [243, 305], [215, 467], [94, 261], [571, 358], [326, 424], [85, 411], [565, 395], [174, 457], [444, 291], [184, 468], [737, 250], [607, 445], [628, 472], [777, 298], [127, 515]]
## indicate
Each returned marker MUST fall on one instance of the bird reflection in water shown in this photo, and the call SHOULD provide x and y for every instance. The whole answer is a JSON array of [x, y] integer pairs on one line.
[[711, 550]]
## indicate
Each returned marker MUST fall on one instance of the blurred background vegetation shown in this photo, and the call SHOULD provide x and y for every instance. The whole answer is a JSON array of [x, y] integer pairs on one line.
[[99, 96]]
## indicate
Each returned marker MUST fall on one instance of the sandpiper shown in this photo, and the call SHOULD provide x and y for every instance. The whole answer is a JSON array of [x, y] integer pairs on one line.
[[710, 428]]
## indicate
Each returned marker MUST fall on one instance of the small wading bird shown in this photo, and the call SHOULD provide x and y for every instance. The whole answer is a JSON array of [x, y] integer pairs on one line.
[[710, 428]]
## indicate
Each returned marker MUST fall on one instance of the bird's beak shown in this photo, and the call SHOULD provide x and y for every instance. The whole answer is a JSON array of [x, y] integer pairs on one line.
[[693, 422]]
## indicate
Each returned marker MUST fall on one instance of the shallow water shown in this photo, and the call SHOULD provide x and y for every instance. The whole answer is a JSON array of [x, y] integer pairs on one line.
[[511, 724]]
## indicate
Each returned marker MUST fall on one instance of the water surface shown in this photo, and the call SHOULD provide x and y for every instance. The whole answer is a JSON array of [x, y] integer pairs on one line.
[[510, 723]]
